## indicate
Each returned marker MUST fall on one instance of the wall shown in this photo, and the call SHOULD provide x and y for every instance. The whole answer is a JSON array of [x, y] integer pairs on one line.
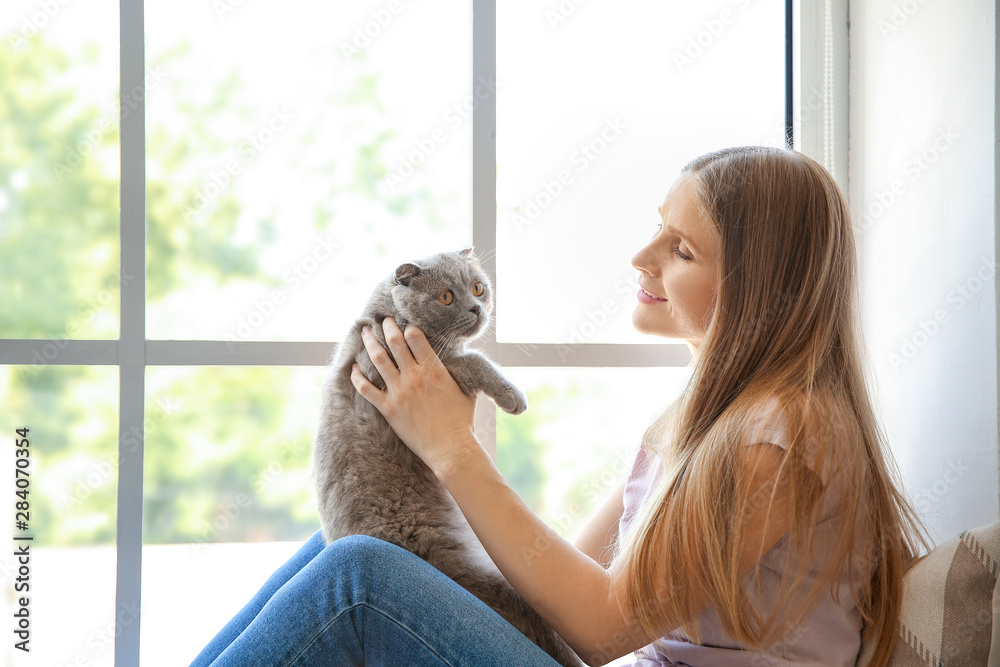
[[922, 188]]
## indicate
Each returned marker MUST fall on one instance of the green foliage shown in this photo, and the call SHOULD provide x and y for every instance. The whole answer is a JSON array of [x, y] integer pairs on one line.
[[60, 204], [227, 450], [519, 454], [221, 467]]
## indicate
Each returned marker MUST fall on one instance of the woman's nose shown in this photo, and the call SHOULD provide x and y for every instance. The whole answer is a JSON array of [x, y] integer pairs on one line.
[[640, 259]]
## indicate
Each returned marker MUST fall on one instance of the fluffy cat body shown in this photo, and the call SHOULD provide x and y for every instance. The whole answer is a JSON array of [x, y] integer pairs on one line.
[[368, 482]]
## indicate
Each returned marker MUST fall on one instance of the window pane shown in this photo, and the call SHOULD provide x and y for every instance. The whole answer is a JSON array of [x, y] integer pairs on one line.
[[70, 489], [597, 112], [226, 464], [59, 170], [297, 152], [576, 441]]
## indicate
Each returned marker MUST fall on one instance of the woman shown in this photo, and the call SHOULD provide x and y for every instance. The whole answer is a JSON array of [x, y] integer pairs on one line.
[[760, 524]]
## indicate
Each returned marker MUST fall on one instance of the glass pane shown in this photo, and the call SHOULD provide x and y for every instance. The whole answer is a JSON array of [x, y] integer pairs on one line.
[[297, 152], [59, 170], [227, 494], [597, 111], [576, 441], [68, 484]]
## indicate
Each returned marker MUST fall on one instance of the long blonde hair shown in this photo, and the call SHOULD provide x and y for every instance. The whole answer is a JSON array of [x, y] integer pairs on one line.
[[784, 329]]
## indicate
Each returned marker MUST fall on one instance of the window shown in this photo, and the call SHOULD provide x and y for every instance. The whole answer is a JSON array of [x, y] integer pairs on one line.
[[272, 167]]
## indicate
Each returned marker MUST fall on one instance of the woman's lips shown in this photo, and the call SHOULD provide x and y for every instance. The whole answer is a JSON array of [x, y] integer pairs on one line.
[[646, 297]]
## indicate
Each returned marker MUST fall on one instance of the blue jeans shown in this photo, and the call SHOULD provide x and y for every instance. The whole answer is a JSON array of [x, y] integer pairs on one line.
[[362, 601]]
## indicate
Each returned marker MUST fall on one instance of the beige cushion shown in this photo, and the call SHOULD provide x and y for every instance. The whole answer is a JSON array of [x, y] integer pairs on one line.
[[951, 606]]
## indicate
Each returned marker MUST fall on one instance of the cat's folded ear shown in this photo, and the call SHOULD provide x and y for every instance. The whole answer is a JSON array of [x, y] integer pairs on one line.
[[469, 255], [406, 272]]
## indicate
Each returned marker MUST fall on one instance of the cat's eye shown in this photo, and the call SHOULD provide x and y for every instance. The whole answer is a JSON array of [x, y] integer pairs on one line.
[[478, 289], [446, 297]]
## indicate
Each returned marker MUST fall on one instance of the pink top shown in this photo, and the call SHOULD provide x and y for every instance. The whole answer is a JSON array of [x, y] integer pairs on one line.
[[830, 636]]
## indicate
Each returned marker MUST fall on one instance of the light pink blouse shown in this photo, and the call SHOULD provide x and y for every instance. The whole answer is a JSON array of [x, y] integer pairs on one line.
[[830, 636]]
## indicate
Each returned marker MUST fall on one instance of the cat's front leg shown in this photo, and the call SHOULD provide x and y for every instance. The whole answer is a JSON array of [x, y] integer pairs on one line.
[[474, 373]]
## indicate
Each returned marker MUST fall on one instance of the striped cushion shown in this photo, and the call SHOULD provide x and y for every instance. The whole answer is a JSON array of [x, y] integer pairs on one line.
[[948, 610]]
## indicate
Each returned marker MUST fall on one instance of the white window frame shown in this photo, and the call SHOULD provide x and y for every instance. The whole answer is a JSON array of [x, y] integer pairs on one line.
[[820, 85], [818, 124]]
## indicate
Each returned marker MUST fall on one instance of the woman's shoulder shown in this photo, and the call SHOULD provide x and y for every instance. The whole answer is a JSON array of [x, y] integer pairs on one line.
[[821, 429], [768, 423], [773, 414]]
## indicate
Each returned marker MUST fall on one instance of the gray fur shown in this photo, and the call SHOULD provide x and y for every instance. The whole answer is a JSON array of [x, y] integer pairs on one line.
[[368, 482]]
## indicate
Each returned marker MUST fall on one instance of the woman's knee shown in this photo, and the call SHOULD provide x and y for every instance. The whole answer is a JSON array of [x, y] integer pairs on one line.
[[359, 569], [363, 549], [367, 559]]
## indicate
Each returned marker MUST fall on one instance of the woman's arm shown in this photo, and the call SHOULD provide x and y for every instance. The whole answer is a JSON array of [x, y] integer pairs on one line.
[[570, 590], [599, 537]]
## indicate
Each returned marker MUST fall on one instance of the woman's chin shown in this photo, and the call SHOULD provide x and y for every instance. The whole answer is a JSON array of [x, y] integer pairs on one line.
[[644, 326]]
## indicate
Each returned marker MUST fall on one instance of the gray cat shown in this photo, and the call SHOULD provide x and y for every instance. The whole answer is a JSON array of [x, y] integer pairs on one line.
[[368, 482]]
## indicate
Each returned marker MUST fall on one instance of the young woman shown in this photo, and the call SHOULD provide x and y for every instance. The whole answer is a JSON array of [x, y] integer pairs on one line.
[[761, 523]]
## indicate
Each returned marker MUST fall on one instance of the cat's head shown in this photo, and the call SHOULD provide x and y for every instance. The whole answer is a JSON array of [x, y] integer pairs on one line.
[[448, 296]]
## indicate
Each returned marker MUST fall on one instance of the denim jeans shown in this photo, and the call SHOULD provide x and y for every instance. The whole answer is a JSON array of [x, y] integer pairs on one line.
[[362, 601]]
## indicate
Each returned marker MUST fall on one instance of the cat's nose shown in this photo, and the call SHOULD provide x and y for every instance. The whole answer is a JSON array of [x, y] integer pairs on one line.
[[476, 308]]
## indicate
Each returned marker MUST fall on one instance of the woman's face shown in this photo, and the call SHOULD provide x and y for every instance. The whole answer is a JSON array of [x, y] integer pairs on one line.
[[678, 270]]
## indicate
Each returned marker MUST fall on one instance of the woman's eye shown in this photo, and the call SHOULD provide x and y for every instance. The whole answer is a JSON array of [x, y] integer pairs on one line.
[[681, 256], [446, 297], [478, 289]]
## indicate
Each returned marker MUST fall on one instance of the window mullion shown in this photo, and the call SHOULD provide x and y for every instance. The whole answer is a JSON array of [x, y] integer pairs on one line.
[[131, 346], [484, 172]]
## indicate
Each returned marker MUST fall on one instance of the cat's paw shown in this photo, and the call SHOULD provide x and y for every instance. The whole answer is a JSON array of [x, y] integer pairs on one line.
[[512, 400]]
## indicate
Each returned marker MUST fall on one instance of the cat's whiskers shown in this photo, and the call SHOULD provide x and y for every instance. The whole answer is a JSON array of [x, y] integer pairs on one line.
[[445, 338], [486, 256], [524, 347], [369, 483]]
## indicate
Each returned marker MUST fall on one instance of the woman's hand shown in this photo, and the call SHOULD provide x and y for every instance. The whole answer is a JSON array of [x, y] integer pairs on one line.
[[433, 416], [422, 402]]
